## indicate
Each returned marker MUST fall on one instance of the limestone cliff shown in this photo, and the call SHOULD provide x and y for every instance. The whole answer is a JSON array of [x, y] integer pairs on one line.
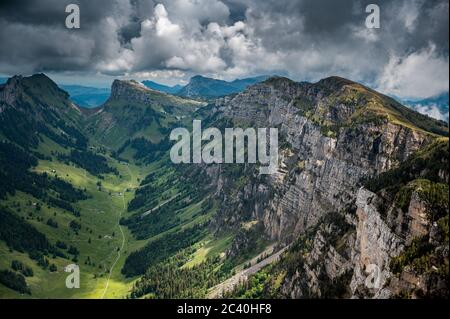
[[334, 135]]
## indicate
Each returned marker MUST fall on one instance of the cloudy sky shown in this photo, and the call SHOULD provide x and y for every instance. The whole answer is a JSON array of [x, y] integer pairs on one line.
[[171, 40]]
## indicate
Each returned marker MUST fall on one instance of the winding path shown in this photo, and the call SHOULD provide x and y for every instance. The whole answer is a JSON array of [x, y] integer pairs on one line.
[[123, 239]]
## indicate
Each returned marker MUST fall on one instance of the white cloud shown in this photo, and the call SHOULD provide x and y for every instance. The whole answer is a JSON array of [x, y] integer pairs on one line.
[[116, 58], [165, 44], [166, 41], [164, 27], [421, 74], [431, 110]]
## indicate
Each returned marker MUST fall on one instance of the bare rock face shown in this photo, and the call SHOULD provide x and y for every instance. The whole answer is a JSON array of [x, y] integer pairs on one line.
[[376, 244], [355, 258], [131, 91], [331, 142], [10, 91], [378, 248], [327, 160], [418, 223], [324, 266], [333, 169]]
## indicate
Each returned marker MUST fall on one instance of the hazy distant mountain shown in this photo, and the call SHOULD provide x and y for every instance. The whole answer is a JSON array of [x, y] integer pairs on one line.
[[85, 96], [436, 107], [3, 80], [163, 88], [203, 87]]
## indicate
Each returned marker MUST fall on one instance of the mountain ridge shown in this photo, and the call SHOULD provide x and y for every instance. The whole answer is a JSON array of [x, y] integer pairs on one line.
[[163, 88], [203, 87], [110, 167]]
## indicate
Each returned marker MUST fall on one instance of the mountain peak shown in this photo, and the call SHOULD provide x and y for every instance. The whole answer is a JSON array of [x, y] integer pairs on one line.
[[37, 85], [136, 93], [335, 82], [199, 77], [162, 88], [278, 79], [40, 77], [341, 102], [39, 81], [121, 89], [203, 80], [130, 83]]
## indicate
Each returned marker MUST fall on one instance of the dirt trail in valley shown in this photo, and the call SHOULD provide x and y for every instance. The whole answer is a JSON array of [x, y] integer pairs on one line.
[[123, 239]]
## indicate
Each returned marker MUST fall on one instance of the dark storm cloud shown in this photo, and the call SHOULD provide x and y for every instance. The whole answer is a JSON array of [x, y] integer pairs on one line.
[[141, 10], [327, 36], [34, 37], [305, 39], [329, 20], [52, 12]]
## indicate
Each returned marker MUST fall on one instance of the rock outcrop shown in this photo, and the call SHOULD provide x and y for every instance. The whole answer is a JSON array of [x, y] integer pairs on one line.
[[376, 244], [10, 91], [329, 150], [334, 135]]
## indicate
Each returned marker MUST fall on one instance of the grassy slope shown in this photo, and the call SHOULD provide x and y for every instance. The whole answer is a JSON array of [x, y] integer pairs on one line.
[[99, 214], [367, 104], [116, 123], [385, 107], [210, 247]]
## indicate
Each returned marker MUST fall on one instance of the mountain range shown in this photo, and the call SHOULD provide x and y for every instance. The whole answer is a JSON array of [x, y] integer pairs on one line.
[[198, 87], [362, 186], [206, 88], [163, 88], [202, 87]]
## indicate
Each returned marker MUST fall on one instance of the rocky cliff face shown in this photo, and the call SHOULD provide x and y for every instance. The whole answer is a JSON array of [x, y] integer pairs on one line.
[[133, 91], [10, 91], [326, 154], [376, 244], [364, 257], [334, 135], [407, 257]]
